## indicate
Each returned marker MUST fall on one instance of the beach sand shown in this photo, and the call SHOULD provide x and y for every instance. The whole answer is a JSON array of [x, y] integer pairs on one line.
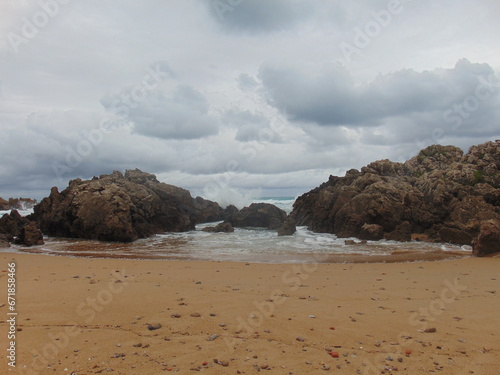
[[91, 316]]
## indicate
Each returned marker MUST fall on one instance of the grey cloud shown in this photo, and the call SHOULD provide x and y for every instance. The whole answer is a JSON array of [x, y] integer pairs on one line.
[[245, 82], [251, 126], [181, 115], [257, 16], [330, 97]]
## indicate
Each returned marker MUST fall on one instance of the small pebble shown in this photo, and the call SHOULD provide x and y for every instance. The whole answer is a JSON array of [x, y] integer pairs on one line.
[[212, 337], [334, 354], [195, 315], [430, 330], [153, 327]]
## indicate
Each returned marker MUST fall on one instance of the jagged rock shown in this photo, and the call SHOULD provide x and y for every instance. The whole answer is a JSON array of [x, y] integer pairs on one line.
[[18, 229], [455, 236], [17, 203], [4, 243], [229, 211], [30, 235], [371, 232], [353, 242], [488, 240], [221, 227], [259, 215], [119, 207], [440, 193], [208, 211], [288, 228], [402, 233], [4, 205], [11, 225]]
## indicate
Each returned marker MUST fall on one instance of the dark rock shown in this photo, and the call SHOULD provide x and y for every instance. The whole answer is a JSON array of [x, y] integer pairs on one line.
[[221, 227], [288, 228], [455, 236], [119, 207], [207, 211], [4, 205], [402, 233], [259, 215], [440, 193], [30, 235], [154, 327], [488, 240], [4, 243], [230, 210], [353, 242], [371, 232]]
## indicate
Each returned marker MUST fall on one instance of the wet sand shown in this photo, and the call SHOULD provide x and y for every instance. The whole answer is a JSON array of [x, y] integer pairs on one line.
[[91, 316]]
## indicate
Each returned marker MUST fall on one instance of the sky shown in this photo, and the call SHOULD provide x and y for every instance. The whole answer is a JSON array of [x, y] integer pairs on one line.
[[235, 99]]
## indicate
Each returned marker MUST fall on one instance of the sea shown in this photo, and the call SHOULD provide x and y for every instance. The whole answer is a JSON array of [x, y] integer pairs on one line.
[[252, 245]]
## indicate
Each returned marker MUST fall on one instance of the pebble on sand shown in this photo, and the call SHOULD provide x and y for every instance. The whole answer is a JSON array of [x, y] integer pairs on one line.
[[153, 327]]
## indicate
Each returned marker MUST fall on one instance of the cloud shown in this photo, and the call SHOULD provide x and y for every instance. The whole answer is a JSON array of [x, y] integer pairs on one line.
[[245, 82], [329, 96], [260, 16], [181, 115], [251, 126]]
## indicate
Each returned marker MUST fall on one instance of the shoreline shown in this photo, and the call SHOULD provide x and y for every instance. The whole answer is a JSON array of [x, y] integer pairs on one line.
[[91, 315], [306, 258]]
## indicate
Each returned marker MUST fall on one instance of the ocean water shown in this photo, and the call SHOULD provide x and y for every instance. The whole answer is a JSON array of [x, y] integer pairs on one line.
[[243, 245]]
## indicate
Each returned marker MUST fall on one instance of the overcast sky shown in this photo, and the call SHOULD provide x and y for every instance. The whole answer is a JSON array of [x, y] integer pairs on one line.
[[233, 98]]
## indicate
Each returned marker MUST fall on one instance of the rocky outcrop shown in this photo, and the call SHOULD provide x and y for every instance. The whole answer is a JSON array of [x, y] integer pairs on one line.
[[121, 207], [488, 241], [20, 230], [288, 228], [221, 227], [10, 225], [30, 235], [440, 193], [258, 215], [17, 203], [4, 205], [207, 211], [229, 211]]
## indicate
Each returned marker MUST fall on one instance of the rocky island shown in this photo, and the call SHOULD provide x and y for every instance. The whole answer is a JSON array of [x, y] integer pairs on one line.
[[439, 195]]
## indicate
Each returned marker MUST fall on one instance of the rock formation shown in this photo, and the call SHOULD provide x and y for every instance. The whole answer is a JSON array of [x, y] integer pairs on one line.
[[20, 230], [119, 207], [30, 235], [17, 203], [258, 215], [4, 205], [221, 227], [488, 240], [440, 193], [288, 228]]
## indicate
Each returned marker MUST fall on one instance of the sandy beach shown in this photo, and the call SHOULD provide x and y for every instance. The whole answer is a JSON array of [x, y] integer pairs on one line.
[[99, 316]]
